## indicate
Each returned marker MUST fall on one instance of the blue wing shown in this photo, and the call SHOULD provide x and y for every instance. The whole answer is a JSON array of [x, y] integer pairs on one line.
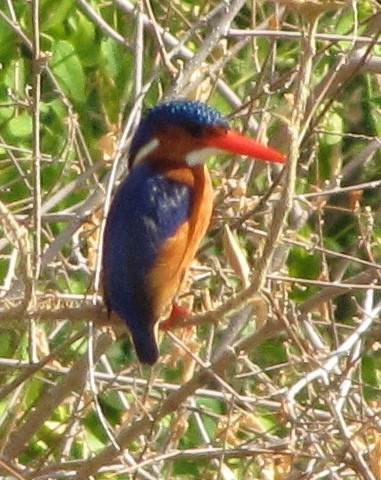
[[147, 209]]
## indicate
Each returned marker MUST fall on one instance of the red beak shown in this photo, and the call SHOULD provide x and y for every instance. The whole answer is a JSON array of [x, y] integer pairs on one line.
[[234, 142]]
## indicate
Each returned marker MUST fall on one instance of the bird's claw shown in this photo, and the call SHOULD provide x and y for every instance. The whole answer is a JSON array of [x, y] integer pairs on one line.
[[175, 318]]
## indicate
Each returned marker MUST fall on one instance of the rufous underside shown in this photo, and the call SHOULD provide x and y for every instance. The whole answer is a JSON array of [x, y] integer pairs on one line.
[[178, 251]]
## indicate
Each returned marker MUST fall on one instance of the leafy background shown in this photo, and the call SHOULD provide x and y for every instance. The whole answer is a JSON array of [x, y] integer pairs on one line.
[[277, 375]]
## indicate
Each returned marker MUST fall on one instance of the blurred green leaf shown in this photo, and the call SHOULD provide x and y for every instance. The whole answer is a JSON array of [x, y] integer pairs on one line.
[[334, 128], [304, 264], [371, 371], [187, 467], [20, 127], [84, 39], [67, 66], [54, 14]]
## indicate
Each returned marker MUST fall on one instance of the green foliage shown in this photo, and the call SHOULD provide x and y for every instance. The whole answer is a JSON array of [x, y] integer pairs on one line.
[[187, 469], [371, 371], [68, 68], [304, 264]]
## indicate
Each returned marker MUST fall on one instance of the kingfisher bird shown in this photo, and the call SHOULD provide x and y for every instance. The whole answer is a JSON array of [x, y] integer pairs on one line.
[[161, 212]]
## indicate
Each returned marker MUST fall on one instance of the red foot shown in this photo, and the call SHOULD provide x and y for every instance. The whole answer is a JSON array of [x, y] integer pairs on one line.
[[177, 314]]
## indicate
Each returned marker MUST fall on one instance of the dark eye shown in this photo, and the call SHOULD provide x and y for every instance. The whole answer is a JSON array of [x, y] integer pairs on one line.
[[195, 129]]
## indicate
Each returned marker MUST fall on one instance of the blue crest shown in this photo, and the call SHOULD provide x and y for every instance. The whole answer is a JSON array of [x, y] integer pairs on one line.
[[192, 116]]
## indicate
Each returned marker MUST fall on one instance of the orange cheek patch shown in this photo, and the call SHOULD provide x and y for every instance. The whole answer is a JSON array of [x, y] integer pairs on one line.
[[176, 143]]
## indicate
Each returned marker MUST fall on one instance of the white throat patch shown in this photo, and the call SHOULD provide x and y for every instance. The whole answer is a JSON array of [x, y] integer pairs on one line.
[[146, 150], [198, 157]]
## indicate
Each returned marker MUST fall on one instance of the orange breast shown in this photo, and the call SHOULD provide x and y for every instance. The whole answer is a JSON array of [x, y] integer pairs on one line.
[[177, 252]]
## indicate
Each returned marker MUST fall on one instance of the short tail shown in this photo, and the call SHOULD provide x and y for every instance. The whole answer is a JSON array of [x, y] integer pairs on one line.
[[145, 346]]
